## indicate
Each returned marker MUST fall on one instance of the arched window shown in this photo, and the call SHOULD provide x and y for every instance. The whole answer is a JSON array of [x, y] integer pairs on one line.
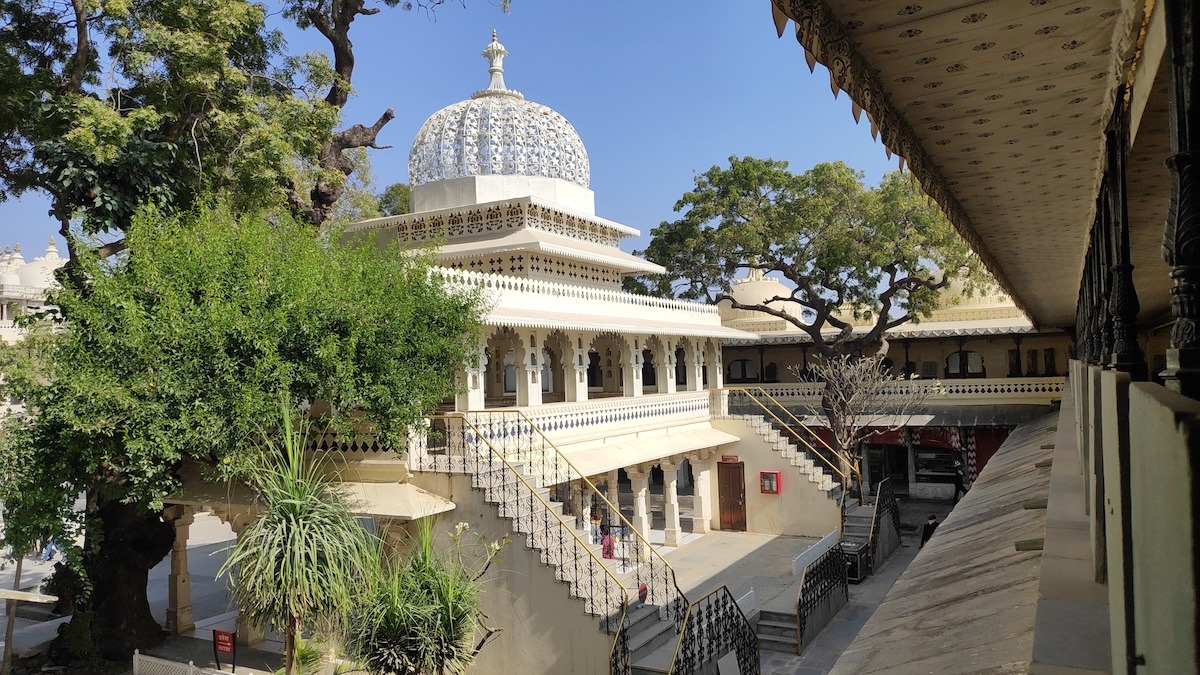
[[974, 362], [594, 376], [681, 366], [742, 370], [649, 374]]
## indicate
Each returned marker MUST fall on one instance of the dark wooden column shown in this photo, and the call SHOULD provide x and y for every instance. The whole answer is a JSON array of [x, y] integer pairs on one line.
[[762, 372], [1181, 236], [907, 342], [1017, 372], [1127, 355]]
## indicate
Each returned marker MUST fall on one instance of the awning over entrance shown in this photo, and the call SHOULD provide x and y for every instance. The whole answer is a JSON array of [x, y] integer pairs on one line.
[[592, 460], [954, 416], [396, 501]]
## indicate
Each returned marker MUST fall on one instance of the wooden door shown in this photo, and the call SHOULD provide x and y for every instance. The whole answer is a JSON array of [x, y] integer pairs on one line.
[[731, 493]]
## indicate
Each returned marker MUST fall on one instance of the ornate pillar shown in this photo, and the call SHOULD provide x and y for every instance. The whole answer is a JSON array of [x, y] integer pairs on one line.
[[712, 362], [1181, 237], [248, 634], [701, 500], [962, 355], [639, 476], [1127, 355], [1014, 369], [474, 374], [575, 367], [693, 356], [665, 366], [631, 365], [613, 492], [529, 371], [180, 616], [673, 530], [1104, 279], [907, 342]]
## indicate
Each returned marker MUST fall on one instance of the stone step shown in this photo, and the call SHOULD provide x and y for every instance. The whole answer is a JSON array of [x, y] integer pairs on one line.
[[646, 640], [778, 643], [779, 617], [784, 628]]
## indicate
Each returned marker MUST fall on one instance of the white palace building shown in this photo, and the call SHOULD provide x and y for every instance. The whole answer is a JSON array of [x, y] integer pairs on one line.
[[577, 394]]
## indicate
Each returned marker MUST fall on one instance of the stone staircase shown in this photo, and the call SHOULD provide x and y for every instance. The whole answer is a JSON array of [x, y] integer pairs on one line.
[[652, 641], [777, 631], [810, 467], [856, 527]]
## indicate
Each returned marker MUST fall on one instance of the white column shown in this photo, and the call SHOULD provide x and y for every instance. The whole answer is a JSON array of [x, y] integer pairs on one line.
[[631, 365], [712, 360], [674, 532], [474, 385], [640, 477], [701, 499], [613, 489], [248, 634], [694, 355], [180, 616], [529, 370], [585, 509], [666, 366], [575, 370]]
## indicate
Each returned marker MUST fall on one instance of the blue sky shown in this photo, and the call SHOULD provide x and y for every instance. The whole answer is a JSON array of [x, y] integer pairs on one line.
[[657, 91]]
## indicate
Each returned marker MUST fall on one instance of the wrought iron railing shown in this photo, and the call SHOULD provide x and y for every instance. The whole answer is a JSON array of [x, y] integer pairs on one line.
[[713, 626], [885, 500], [757, 401], [821, 579], [458, 445]]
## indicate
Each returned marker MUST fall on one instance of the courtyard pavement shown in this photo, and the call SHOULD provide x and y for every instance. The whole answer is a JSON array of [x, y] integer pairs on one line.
[[742, 561]]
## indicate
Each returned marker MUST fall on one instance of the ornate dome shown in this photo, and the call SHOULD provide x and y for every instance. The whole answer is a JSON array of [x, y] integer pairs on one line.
[[497, 132]]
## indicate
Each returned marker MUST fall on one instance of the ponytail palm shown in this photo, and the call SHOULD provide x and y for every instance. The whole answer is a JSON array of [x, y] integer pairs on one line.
[[299, 559]]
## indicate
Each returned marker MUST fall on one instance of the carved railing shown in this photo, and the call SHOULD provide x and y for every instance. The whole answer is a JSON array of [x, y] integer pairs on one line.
[[1036, 389], [821, 579], [885, 502], [504, 282], [713, 626], [757, 401], [594, 418], [458, 445]]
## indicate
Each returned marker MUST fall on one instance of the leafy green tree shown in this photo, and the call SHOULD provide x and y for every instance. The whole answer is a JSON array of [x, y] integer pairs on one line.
[[847, 250], [396, 199], [301, 557], [177, 350]]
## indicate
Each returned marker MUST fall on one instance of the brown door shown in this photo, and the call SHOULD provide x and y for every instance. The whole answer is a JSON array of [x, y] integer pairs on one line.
[[731, 491]]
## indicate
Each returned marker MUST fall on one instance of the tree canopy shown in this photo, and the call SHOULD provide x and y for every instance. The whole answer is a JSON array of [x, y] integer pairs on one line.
[[179, 348], [396, 199], [846, 250]]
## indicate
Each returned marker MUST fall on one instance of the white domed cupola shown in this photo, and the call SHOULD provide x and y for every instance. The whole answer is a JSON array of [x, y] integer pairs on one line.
[[498, 133]]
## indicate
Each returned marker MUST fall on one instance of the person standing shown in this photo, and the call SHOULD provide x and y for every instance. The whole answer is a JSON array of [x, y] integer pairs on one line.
[[960, 487], [927, 531]]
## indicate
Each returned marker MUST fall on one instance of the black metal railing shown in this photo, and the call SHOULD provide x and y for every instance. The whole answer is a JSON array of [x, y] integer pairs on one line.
[[757, 401], [885, 502], [457, 445], [821, 579], [713, 626]]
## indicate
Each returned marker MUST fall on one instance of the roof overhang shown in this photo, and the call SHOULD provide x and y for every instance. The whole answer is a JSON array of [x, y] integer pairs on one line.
[[592, 459], [538, 241], [999, 110], [390, 500], [556, 320]]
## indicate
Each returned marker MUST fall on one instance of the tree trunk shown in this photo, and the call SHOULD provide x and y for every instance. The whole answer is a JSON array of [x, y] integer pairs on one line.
[[10, 611], [289, 647], [130, 542]]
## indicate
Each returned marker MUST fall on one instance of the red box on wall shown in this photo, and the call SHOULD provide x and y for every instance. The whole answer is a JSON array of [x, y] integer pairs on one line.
[[769, 482]]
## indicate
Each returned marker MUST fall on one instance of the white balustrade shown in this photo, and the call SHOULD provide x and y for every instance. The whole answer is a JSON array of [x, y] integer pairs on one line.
[[1034, 390], [573, 422], [501, 283]]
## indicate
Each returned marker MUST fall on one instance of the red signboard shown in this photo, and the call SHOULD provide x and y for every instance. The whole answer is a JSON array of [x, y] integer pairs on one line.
[[223, 641], [730, 458]]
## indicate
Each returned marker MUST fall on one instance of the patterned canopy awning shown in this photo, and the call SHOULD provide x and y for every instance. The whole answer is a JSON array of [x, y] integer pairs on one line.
[[999, 108]]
